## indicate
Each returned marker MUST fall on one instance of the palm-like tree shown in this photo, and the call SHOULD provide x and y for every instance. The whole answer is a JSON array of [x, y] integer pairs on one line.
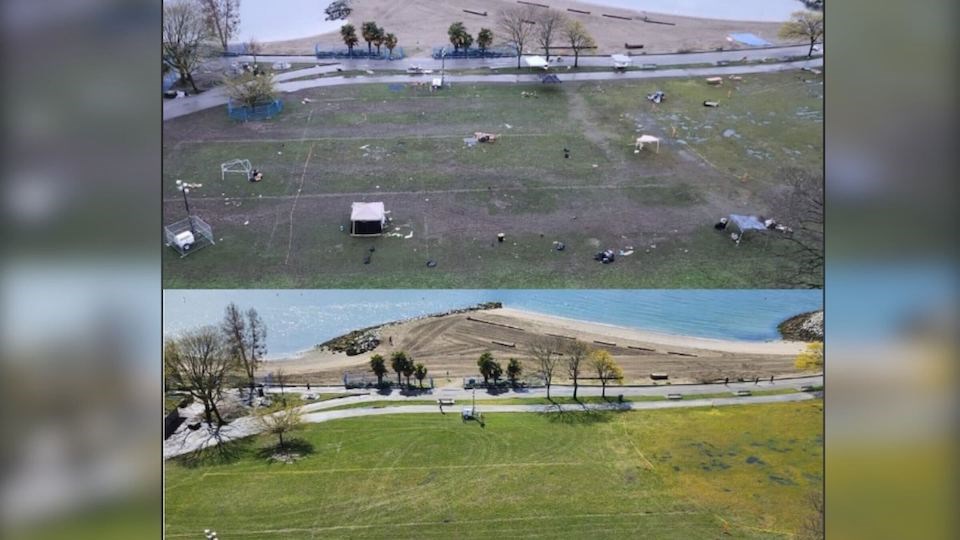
[[349, 35]]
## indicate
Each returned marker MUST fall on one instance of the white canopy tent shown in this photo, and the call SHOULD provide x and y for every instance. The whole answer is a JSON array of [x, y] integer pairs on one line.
[[621, 61], [536, 62], [367, 219], [744, 224], [644, 140]]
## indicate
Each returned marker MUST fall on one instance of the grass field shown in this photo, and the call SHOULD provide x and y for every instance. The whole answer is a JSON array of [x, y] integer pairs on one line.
[[685, 473], [447, 201]]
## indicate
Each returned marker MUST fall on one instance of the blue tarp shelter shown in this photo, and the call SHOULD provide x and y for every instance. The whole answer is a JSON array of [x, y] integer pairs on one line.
[[749, 39], [745, 223]]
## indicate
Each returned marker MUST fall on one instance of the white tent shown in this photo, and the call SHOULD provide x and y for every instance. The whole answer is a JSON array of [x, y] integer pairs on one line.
[[744, 224], [367, 219], [621, 61], [646, 139], [536, 62]]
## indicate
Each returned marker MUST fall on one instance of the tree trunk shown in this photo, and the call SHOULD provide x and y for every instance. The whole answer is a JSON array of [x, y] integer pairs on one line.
[[216, 412], [519, 56], [369, 48], [192, 83], [576, 58], [399, 381], [281, 439], [207, 411], [603, 385], [548, 390], [547, 50], [574, 388], [813, 41]]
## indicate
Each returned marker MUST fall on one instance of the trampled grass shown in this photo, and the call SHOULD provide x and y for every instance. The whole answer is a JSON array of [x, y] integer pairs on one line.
[[448, 201], [691, 473]]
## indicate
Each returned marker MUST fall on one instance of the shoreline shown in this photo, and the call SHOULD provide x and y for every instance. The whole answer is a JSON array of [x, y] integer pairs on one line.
[[768, 347]]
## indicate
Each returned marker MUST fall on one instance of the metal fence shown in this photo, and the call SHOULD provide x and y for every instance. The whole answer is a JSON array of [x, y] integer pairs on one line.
[[359, 54], [257, 112], [473, 53]]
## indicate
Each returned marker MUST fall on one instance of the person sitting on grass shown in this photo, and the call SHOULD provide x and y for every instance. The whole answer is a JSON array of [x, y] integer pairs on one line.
[[256, 176]]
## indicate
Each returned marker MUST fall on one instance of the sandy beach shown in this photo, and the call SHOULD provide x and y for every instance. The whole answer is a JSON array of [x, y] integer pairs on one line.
[[421, 25], [450, 344]]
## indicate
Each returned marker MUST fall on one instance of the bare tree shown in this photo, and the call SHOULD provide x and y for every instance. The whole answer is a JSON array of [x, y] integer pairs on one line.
[[576, 352], [250, 90], [184, 38], [806, 25], [223, 19], [546, 353], [550, 24], [802, 209], [253, 47], [514, 23], [578, 38], [281, 422], [245, 338], [201, 363]]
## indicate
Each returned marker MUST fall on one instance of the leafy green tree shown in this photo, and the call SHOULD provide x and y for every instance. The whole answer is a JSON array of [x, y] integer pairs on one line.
[[409, 369], [807, 25], [457, 34], [379, 39], [496, 371], [420, 372], [379, 367], [390, 41], [811, 359], [398, 362], [578, 38], [606, 368], [485, 363], [484, 39], [370, 31], [349, 35], [514, 369]]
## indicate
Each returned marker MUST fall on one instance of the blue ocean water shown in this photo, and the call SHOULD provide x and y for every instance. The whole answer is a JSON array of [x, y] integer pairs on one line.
[[297, 320]]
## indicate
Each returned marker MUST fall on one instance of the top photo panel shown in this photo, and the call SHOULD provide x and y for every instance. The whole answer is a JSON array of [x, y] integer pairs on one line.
[[492, 144]]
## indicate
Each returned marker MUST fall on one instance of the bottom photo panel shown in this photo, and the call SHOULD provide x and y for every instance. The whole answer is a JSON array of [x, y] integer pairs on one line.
[[482, 413]]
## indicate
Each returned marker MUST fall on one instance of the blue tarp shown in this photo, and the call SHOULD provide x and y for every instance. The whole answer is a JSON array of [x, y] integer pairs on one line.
[[746, 223], [749, 39]]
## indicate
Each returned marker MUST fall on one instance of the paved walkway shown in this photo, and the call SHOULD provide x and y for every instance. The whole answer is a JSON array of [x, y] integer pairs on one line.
[[186, 441], [173, 108]]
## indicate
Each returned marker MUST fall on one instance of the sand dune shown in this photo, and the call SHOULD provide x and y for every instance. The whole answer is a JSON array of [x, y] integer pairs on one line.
[[449, 346], [421, 25]]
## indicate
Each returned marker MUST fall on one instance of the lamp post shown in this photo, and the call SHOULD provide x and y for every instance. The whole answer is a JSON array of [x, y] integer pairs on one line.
[[443, 63], [184, 189]]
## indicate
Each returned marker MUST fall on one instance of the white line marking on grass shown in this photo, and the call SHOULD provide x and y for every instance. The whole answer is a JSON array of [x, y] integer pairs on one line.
[[418, 468], [303, 177], [445, 523]]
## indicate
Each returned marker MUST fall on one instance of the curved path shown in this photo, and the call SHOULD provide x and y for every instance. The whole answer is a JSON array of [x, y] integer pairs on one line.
[[174, 108], [186, 441]]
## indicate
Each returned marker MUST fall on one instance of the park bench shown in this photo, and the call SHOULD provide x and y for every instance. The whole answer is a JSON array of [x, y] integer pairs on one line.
[[674, 396], [742, 393], [659, 376], [443, 402]]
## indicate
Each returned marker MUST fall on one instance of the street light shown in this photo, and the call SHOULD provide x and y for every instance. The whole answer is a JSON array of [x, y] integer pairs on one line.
[[185, 189], [443, 62]]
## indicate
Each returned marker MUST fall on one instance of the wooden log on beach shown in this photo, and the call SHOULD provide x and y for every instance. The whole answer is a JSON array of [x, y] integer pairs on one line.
[[618, 17], [495, 324], [483, 14], [607, 343], [682, 354], [504, 344], [629, 46], [645, 349], [580, 11], [561, 336], [532, 4]]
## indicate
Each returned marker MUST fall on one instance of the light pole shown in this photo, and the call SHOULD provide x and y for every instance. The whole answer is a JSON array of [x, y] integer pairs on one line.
[[443, 63], [185, 189]]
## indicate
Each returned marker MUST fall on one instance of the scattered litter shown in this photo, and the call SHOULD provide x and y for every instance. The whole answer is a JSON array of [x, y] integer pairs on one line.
[[729, 132], [735, 78], [508, 126], [711, 103], [247, 222], [626, 252], [409, 236], [369, 71], [595, 165], [657, 96], [364, 147], [485, 137], [716, 81], [279, 153], [559, 246], [528, 94], [470, 142], [431, 263], [606, 257], [306, 100]]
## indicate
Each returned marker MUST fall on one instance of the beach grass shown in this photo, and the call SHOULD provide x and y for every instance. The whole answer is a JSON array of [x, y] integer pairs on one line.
[[742, 471], [448, 201]]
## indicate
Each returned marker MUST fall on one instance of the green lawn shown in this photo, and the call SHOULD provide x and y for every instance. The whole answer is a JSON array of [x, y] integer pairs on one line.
[[447, 201], [694, 473]]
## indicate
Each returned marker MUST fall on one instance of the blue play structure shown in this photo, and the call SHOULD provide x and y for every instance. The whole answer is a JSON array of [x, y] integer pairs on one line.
[[359, 53], [474, 53], [259, 112]]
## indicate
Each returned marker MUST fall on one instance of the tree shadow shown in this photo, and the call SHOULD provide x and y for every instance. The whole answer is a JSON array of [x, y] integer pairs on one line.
[[294, 446], [217, 452]]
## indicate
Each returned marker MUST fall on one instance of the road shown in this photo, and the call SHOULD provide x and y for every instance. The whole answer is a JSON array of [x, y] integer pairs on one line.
[[173, 108], [186, 441]]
